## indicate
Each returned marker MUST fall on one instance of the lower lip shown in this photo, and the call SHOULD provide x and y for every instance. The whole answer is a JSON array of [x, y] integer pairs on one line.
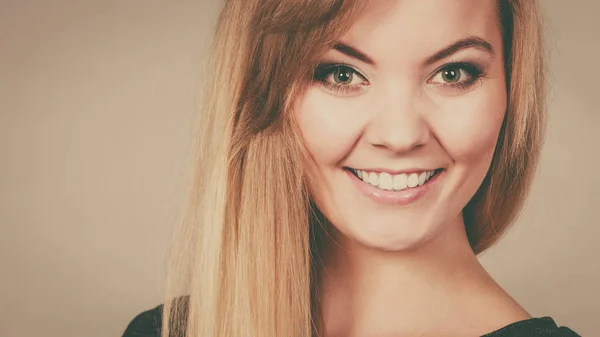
[[402, 197]]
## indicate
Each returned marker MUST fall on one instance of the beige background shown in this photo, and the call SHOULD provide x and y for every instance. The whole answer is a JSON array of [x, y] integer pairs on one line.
[[97, 100]]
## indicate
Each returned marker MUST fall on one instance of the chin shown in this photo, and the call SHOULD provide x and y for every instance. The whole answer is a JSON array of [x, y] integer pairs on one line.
[[396, 231], [364, 215]]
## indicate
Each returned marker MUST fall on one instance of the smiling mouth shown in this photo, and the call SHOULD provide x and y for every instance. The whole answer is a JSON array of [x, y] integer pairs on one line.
[[397, 182]]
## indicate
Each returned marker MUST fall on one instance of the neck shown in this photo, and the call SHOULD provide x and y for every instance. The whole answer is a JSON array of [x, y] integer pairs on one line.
[[368, 292]]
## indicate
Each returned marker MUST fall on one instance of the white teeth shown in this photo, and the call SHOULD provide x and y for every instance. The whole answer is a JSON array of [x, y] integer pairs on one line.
[[385, 181], [374, 179], [413, 180], [422, 178], [400, 182]]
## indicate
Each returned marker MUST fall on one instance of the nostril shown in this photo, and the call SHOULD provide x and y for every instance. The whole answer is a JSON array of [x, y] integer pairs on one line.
[[398, 136]]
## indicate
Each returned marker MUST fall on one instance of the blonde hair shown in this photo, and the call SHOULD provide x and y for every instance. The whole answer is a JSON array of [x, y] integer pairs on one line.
[[247, 248]]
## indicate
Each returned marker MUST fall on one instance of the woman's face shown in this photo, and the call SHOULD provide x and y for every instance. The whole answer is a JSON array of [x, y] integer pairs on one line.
[[402, 118]]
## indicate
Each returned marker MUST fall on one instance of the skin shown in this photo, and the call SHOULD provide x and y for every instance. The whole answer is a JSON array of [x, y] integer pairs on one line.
[[407, 269]]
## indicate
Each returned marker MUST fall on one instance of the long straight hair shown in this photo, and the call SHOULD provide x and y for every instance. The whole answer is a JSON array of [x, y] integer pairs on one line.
[[246, 250]]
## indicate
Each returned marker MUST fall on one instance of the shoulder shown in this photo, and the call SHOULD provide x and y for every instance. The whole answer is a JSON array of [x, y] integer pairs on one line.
[[146, 324], [510, 319], [149, 323], [534, 327]]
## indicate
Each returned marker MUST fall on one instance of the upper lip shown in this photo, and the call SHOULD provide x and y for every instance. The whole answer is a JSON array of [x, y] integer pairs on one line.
[[395, 172]]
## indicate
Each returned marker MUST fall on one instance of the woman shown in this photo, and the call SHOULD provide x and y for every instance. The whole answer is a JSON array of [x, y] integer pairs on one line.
[[354, 159]]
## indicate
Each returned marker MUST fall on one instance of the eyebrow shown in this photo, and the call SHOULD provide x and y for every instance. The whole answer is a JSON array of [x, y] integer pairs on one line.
[[466, 43], [345, 48]]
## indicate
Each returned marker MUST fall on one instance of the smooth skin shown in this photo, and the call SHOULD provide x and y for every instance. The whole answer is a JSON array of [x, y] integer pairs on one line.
[[398, 93]]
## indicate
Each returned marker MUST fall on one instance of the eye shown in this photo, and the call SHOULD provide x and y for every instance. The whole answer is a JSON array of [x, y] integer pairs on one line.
[[452, 75], [340, 78], [459, 75], [342, 75]]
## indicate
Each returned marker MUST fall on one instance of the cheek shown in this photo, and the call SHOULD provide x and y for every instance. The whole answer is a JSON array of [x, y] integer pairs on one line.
[[468, 132], [468, 127], [330, 126]]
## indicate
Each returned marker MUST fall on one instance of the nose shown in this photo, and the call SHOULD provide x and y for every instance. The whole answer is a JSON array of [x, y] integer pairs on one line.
[[397, 125]]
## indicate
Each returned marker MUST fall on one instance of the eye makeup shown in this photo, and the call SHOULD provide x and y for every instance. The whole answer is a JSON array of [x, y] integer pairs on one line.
[[339, 78], [344, 80], [460, 76]]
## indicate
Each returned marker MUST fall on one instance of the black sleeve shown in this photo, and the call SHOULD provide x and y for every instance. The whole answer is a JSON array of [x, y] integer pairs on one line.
[[146, 324], [534, 327]]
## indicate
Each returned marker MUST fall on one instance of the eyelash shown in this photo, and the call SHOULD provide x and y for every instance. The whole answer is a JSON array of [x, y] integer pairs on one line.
[[325, 70]]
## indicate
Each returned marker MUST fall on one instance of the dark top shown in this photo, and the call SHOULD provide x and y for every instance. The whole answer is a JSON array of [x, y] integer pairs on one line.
[[148, 324]]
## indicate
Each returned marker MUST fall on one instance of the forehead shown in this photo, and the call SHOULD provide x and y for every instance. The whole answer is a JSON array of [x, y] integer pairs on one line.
[[411, 30]]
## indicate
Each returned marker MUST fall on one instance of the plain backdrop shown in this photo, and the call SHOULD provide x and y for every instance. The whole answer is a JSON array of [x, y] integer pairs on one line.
[[97, 104]]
